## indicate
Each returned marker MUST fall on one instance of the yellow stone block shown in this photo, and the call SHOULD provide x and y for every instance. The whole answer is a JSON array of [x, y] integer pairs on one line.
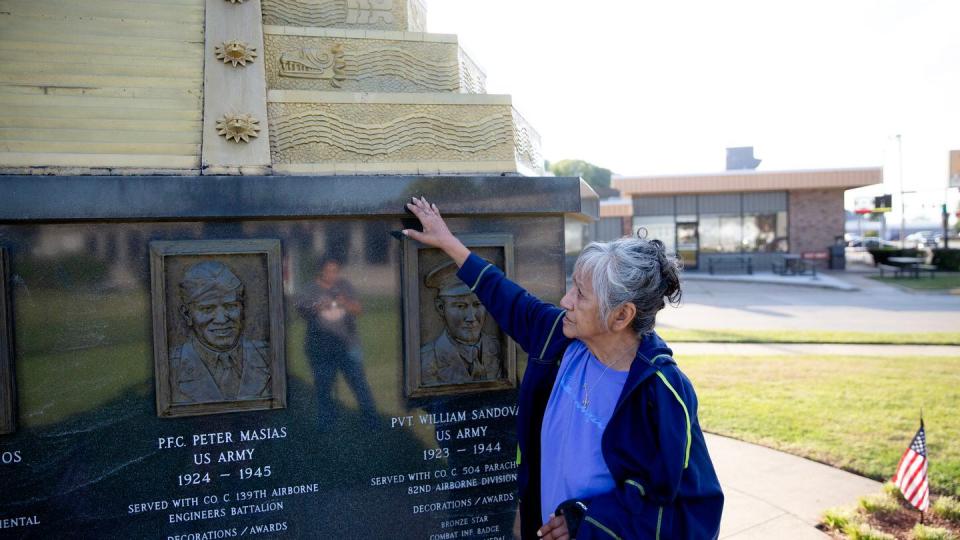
[[469, 133], [369, 64], [101, 84], [400, 15]]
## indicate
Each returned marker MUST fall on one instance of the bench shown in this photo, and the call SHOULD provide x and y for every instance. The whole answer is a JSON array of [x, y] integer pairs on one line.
[[927, 268], [735, 264]]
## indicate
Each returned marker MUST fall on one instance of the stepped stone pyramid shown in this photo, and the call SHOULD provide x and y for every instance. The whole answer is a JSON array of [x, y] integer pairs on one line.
[[210, 87], [356, 86]]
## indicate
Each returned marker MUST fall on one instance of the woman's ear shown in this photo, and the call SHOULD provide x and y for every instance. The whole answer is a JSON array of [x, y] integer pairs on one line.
[[623, 316]]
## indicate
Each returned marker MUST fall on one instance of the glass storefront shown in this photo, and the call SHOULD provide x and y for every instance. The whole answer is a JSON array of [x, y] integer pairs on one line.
[[765, 233], [688, 243], [663, 228], [720, 233], [722, 223]]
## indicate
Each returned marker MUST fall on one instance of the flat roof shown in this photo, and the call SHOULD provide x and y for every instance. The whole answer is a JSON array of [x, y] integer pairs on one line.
[[619, 207], [748, 180]]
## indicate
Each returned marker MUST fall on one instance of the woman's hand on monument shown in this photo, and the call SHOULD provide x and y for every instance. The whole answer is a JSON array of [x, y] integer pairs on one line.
[[435, 232]]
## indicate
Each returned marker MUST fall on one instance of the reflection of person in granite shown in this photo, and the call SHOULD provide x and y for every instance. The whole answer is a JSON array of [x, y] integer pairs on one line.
[[462, 353], [216, 363], [330, 307]]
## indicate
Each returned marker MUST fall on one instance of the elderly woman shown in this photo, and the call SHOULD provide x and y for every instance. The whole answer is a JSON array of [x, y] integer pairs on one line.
[[609, 442]]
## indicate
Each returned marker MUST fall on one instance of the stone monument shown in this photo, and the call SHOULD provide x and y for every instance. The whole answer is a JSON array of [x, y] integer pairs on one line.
[[209, 327]]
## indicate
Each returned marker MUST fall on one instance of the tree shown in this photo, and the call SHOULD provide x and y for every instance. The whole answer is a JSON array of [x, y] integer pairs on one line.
[[595, 176]]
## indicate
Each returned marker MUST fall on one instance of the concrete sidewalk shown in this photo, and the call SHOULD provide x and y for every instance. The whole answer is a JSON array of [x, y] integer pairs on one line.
[[821, 280], [770, 494], [681, 349]]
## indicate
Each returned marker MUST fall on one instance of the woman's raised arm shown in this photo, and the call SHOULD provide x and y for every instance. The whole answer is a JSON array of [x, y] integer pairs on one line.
[[435, 232], [533, 324]]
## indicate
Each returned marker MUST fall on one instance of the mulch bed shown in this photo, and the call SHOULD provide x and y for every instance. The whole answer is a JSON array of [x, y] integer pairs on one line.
[[899, 523]]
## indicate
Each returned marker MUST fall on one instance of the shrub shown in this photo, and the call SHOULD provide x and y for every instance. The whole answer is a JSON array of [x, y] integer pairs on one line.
[[878, 504], [862, 531], [947, 259], [925, 532], [891, 490], [947, 508], [882, 255], [838, 519]]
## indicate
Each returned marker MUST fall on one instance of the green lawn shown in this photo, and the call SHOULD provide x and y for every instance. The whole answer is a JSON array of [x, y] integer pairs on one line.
[[856, 413], [939, 282], [808, 336]]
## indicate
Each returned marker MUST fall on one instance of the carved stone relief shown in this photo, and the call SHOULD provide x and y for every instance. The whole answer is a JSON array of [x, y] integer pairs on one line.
[[397, 62], [238, 127], [235, 52], [369, 11], [472, 79], [234, 91], [315, 63], [381, 14], [416, 16], [218, 329], [527, 144], [307, 63], [454, 346], [310, 133]]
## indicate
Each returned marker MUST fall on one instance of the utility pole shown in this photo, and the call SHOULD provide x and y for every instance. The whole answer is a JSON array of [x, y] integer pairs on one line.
[[903, 204], [945, 215]]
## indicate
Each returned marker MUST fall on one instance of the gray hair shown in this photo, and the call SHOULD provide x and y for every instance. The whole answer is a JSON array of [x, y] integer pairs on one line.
[[632, 270]]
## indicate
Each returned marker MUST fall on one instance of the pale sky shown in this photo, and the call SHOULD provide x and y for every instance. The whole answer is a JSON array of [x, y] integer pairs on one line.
[[664, 87]]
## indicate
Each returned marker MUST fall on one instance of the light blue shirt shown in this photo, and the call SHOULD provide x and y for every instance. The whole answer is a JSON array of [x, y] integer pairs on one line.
[[573, 464]]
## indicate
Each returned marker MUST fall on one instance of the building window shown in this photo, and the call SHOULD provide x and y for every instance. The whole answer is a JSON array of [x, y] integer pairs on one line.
[[765, 233], [720, 233], [662, 228], [716, 223]]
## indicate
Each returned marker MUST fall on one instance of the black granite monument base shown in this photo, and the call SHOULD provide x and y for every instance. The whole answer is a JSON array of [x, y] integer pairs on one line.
[[107, 342]]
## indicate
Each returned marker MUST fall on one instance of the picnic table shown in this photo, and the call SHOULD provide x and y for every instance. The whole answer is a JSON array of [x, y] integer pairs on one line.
[[793, 264], [912, 265]]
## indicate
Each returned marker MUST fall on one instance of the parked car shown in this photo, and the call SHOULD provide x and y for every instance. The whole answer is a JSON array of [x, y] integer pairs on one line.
[[870, 243], [925, 238]]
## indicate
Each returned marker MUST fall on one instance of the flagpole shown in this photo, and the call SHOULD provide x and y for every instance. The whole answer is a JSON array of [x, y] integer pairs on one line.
[[921, 427], [911, 476]]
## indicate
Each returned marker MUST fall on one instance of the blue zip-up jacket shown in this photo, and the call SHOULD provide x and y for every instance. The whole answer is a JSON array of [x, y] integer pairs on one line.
[[666, 487]]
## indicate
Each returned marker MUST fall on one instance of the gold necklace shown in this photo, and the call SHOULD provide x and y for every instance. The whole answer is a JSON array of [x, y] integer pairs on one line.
[[586, 388]]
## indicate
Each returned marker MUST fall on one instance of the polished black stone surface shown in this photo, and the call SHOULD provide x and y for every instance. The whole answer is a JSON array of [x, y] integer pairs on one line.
[[91, 459], [27, 198]]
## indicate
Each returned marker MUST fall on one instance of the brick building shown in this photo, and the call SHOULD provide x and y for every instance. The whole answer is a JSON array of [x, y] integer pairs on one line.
[[736, 212]]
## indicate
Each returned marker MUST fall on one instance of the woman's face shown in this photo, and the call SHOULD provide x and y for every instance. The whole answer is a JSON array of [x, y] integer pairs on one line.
[[582, 320]]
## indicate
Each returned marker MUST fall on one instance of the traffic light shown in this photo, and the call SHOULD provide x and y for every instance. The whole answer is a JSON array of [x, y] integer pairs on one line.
[[883, 203]]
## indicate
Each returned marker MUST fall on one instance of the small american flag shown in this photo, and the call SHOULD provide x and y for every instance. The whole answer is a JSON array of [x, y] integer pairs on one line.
[[911, 476]]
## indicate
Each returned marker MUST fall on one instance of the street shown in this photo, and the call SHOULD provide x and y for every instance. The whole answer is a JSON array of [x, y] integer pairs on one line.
[[876, 307]]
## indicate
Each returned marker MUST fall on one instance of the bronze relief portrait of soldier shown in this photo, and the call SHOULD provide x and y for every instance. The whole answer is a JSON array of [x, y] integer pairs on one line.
[[218, 327], [453, 345], [7, 386]]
